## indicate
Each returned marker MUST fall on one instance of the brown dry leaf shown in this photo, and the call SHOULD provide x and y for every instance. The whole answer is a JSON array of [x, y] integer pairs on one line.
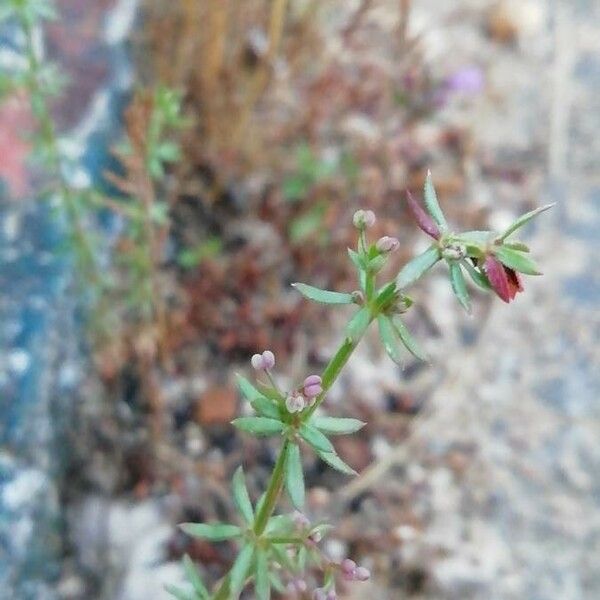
[[217, 406]]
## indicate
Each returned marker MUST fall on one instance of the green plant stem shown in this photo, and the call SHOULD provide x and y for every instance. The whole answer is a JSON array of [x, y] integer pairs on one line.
[[41, 112], [330, 374], [273, 490]]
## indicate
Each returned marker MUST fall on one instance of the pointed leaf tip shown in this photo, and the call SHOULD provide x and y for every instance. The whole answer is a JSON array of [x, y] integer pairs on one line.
[[431, 201]]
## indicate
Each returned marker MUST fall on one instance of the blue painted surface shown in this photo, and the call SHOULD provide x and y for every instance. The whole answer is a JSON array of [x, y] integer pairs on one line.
[[39, 335]]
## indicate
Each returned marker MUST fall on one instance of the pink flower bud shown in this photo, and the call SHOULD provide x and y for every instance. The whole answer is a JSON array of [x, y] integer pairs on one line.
[[312, 391], [331, 595], [348, 566], [295, 402], [315, 536], [268, 360], [362, 574], [257, 362], [387, 244], [312, 380], [363, 219], [264, 361]]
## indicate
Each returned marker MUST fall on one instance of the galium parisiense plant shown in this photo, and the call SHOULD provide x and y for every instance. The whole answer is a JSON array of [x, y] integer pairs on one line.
[[277, 550], [42, 82]]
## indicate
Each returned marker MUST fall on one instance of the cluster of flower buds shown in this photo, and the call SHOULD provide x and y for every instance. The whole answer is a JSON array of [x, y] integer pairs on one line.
[[264, 361], [298, 400], [364, 219], [353, 572]]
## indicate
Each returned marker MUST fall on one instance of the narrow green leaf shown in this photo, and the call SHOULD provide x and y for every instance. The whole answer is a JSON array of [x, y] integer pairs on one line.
[[523, 220], [334, 461], [315, 438], [194, 578], [294, 476], [258, 425], [323, 296], [337, 425], [358, 324], [215, 532], [518, 246], [417, 267], [302, 556], [516, 260], [239, 570], [247, 389], [389, 338], [407, 339], [266, 408], [478, 278], [178, 593], [385, 295], [459, 287], [433, 206], [280, 525], [276, 583], [241, 497], [477, 238], [262, 585], [268, 391], [356, 260]]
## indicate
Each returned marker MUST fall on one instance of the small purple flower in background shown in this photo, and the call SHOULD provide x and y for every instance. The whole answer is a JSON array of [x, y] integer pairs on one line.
[[363, 219], [295, 402], [506, 282], [424, 221], [312, 386], [387, 244], [264, 361], [466, 80]]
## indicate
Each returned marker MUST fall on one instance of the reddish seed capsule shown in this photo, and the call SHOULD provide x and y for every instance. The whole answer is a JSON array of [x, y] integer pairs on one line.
[[505, 281]]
